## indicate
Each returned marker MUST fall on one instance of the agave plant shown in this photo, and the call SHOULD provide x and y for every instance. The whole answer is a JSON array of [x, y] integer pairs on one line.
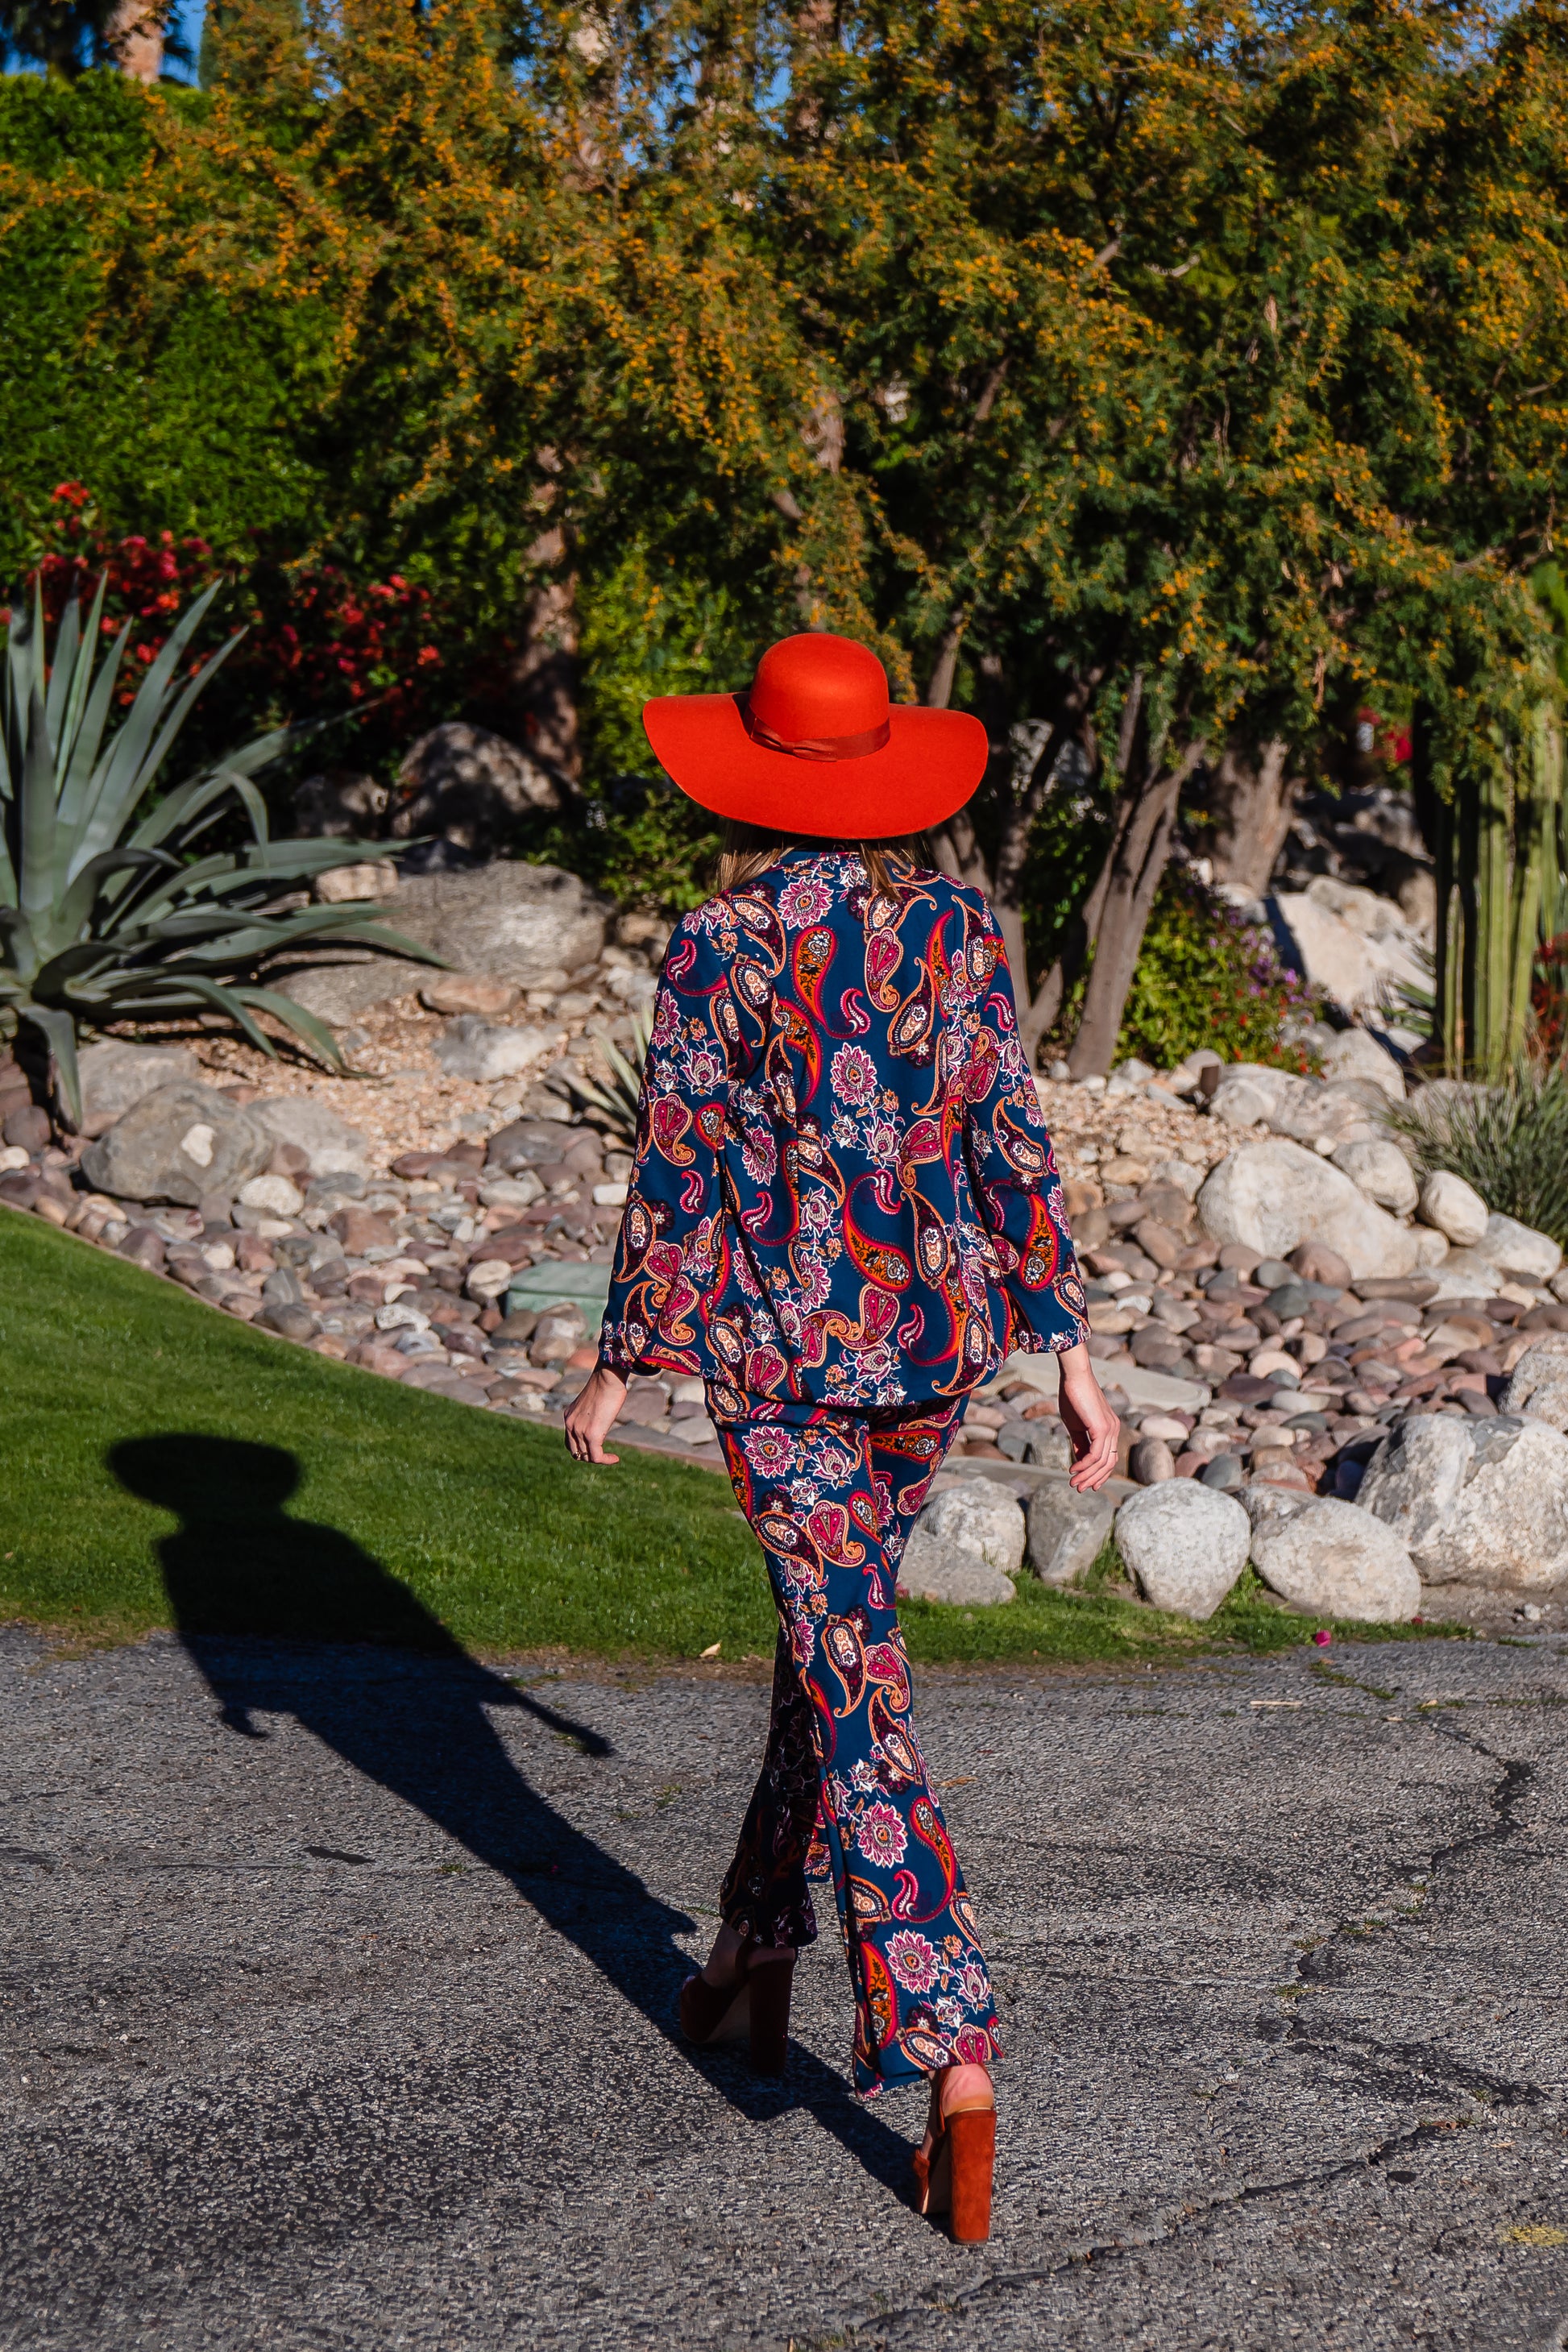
[[106, 914], [615, 1104]]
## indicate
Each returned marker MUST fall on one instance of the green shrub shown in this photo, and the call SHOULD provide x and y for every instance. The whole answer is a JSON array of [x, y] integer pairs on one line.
[[1207, 978], [1509, 1141]]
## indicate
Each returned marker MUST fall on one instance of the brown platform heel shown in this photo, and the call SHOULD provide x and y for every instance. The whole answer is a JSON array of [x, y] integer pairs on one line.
[[771, 1982], [955, 2178], [711, 2014]]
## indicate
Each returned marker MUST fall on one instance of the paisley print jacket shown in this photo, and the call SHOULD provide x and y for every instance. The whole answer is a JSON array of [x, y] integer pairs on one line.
[[843, 1193]]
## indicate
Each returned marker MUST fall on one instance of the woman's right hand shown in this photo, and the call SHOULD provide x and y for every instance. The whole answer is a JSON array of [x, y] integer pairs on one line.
[[1088, 1420], [591, 1415]]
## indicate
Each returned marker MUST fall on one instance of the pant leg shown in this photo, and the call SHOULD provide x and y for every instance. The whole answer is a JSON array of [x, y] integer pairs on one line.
[[764, 1893], [830, 1498]]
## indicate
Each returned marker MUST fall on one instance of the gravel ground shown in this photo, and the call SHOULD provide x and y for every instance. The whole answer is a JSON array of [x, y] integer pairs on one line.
[[339, 1992]]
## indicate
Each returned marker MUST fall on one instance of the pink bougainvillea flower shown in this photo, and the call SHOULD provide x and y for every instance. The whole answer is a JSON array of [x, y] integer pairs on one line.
[[1323, 1637]]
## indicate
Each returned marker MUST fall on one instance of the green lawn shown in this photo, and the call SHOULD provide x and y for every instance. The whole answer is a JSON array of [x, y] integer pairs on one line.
[[162, 1464]]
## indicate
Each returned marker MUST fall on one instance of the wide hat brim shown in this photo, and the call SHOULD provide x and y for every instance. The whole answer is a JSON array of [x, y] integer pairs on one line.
[[927, 769]]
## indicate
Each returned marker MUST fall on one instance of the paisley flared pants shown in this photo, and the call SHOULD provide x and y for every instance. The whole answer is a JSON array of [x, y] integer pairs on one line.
[[832, 1496]]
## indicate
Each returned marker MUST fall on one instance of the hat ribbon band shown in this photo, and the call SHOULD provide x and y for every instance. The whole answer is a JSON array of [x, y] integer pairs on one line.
[[817, 746]]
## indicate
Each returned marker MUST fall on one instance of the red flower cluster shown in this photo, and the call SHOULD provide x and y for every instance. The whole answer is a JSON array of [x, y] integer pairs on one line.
[[317, 644]]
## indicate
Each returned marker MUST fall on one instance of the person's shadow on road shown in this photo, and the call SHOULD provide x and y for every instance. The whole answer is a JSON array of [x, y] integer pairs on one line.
[[285, 1616]]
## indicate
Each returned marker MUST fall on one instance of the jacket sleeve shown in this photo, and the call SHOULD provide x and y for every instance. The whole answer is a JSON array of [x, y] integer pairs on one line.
[[666, 1255], [1016, 1184]]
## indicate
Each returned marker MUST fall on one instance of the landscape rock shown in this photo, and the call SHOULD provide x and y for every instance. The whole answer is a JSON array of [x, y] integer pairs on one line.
[[371, 879], [1480, 1502], [331, 1146], [178, 1144], [1381, 1171], [932, 1570], [27, 1130], [1352, 965], [1537, 1384], [1272, 1196], [1316, 1262], [1335, 1560], [1354, 1054], [1185, 1543], [462, 992], [116, 1074], [470, 786], [1454, 1208], [1514, 1248], [977, 1518], [340, 804], [1150, 1460], [1067, 1531], [276, 1195], [471, 1047]]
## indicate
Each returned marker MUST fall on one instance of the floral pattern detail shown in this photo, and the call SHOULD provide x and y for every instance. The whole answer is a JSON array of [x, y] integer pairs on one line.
[[844, 1787], [843, 1193], [915, 1962], [881, 1836]]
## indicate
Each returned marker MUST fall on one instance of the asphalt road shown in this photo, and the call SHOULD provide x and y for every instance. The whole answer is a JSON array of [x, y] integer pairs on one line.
[[339, 1992]]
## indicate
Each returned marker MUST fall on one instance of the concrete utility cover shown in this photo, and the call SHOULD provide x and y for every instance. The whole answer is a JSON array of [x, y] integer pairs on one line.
[[349, 2021]]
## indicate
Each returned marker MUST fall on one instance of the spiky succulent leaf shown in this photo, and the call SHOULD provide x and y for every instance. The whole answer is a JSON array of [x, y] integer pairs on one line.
[[104, 915]]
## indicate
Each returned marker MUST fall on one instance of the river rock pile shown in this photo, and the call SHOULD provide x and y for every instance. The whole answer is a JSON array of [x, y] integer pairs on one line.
[[1276, 1301]]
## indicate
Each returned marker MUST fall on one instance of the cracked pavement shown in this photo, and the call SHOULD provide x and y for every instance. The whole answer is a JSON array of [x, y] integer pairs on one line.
[[339, 1987]]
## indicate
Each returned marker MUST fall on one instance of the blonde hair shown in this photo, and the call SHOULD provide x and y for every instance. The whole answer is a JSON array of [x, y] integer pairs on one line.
[[750, 849]]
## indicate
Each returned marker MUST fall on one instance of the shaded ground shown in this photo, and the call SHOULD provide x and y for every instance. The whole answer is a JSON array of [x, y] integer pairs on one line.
[[338, 1992]]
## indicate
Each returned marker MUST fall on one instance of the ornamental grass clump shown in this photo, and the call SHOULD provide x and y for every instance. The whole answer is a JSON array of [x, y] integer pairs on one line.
[[107, 914], [1509, 1141]]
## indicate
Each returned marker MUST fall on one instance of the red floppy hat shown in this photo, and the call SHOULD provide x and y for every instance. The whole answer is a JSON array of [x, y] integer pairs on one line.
[[815, 747]]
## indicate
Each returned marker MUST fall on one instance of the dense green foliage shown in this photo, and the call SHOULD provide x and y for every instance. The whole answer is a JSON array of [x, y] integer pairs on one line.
[[1145, 374], [315, 1500], [1207, 978]]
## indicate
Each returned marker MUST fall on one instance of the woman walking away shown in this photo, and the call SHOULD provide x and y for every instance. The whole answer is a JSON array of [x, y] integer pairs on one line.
[[844, 1213]]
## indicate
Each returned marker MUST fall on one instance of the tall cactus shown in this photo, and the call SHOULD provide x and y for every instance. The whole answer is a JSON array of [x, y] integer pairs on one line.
[[1501, 843]]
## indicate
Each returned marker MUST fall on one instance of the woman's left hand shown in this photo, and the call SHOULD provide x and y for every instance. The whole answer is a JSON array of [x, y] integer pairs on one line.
[[592, 1415]]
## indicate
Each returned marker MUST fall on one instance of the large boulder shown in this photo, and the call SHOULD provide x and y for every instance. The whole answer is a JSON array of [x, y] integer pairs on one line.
[[1272, 1196], [1354, 1054], [1519, 1249], [526, 924], [1185, 1544], [980, 1517], [470, 787], [342, 803], [331, 1146], [1454, 1208], [1380, 1169], [180, 1144], [1476, 1502], [1067, 1530], [1334, 1559], [117, 1074], [1351, 943], [1537, 1384], [1336, 1111], [932, 1571]]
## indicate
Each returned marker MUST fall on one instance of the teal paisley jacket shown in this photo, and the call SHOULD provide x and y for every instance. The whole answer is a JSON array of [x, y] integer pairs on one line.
[[843, 1193]]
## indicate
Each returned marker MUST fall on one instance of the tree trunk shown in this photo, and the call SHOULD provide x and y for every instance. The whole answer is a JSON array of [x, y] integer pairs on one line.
[[957, 846], [1140, 845], [544, 674], [1252, 797]]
